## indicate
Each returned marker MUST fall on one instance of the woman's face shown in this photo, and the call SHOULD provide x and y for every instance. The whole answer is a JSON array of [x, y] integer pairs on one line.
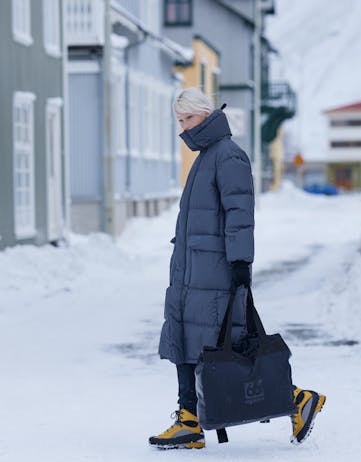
[[188, 121]]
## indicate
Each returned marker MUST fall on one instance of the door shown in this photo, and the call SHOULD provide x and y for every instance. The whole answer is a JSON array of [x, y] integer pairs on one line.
[[53, 148], [343, 177]]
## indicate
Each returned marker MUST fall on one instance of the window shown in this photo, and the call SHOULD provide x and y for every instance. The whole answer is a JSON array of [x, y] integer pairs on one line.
[[346, 144], [215, 88], [23, 129], [150, 112], [21, 21], [154, 121], [166, 126], [134, 115], [343, 173], [118, 112], [178, 12], [147, 117], [251, 62], [346, 123], [343, 177], [150, 119], [203, 77], [51, 20]]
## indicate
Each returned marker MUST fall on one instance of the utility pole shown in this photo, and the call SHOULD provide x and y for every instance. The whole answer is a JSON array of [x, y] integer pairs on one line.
[[257, 167], [108, 154]]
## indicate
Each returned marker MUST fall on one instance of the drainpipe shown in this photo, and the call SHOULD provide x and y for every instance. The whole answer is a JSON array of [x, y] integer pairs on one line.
[[66, 193], [108, 157], [256, 102]]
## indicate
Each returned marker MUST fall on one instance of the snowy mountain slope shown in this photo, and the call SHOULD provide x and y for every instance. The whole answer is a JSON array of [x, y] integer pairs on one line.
[[319, 42]]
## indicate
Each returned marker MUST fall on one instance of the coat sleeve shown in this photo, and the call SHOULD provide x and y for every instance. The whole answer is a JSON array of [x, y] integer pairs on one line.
[[235, 184]]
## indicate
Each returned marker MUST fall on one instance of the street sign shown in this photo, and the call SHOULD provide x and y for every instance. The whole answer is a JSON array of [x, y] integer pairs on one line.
[[298, 160]]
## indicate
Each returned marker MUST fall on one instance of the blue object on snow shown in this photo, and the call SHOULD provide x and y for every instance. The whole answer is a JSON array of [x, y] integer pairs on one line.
[[326, 189]]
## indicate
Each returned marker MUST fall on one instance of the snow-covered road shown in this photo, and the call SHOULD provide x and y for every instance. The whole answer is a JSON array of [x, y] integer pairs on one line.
[[79, 329]]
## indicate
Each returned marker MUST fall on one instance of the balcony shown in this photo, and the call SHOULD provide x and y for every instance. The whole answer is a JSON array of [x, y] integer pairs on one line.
[[278, 104], [84, 22]]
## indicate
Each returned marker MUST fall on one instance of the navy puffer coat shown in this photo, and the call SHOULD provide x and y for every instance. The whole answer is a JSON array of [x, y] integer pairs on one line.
[[215, 226]]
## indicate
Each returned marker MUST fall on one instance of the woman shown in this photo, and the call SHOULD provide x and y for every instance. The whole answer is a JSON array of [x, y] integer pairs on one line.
[[213, 251]]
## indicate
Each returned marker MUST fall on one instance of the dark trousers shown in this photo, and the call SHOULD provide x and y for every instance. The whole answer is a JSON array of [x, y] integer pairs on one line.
[[187, 397]]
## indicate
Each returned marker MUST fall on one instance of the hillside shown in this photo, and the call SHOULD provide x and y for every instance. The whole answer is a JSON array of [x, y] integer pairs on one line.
[[319, 44]]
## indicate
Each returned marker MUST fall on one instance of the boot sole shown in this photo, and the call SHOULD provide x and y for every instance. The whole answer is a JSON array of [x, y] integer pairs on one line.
[[318, 409], [192, 445]]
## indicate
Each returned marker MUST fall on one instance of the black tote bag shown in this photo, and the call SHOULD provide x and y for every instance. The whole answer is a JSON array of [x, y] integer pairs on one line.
[[247, 383]]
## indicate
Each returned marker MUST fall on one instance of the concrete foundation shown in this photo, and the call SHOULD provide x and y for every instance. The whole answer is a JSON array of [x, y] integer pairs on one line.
[[86, 216]]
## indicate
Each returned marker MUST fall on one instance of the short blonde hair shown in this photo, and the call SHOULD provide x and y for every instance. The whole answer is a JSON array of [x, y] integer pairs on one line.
[[192, 100]]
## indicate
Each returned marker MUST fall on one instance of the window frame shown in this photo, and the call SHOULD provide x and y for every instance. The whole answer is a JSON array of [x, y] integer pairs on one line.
[[203, 76], [118, 111], [21, 13], [177, 23], [166, 124], [345, 144], [134, 110], [147, 120], [23, 101], [53, 146], [342, 123], [51, 27], [153, 123], [215, 87]]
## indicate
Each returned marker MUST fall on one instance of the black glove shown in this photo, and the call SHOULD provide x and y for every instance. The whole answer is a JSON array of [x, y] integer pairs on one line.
[[241, 273]]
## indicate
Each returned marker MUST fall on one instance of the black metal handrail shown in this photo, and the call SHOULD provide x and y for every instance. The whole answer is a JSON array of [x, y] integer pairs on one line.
[[279, 94]]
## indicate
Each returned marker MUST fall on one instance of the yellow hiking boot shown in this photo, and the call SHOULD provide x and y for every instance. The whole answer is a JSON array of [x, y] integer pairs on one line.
[[309, 404], [184, 433]]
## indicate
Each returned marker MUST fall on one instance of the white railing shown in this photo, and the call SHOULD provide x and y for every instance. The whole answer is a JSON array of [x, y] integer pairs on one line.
[[84, 22]]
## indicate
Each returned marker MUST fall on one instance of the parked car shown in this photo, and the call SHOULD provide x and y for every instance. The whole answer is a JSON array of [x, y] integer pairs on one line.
[[326, 189]]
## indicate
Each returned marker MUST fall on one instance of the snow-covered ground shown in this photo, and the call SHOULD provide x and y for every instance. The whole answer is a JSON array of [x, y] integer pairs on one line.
[[79, 328]]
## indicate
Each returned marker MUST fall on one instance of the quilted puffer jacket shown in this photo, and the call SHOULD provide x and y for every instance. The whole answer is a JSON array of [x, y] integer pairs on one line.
[[215, 226]]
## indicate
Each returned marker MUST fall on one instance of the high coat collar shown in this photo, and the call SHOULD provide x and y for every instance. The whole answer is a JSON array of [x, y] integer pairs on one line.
[[212, 129]]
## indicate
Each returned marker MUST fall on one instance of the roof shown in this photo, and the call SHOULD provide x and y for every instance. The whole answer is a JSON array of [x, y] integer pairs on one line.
[[266, 6], [207, 42], [347, 108], [182, 54]]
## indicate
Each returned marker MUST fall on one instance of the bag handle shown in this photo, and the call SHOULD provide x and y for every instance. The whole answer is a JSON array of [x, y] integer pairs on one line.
[[252, 314], [254, 323]]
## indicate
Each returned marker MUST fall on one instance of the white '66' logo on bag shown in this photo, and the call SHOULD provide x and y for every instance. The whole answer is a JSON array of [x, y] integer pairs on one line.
[[253, 391]]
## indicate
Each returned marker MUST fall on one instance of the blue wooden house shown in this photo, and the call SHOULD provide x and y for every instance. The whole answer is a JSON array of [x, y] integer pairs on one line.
[[124, 152]]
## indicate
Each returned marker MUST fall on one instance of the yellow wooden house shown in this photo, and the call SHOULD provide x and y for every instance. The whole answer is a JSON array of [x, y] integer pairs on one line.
[[203, 73]]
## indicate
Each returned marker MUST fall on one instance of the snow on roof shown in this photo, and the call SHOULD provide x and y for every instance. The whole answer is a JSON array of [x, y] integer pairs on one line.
[[186, 53], [133, 23], [346, 108]]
